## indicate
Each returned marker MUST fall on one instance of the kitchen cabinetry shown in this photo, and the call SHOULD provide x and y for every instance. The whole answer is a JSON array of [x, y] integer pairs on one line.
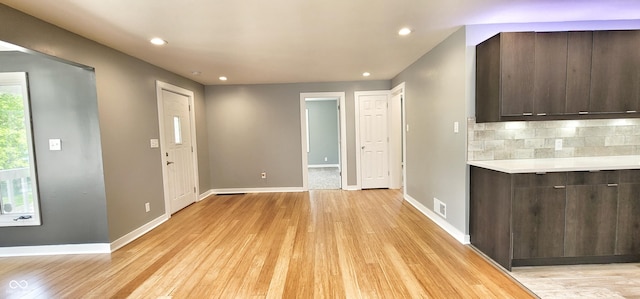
[[521, 219], [615, 72], [591, 211], [579, 45], [505, 70], [628, 234], [539, 200], [558, 75], [550, 80]]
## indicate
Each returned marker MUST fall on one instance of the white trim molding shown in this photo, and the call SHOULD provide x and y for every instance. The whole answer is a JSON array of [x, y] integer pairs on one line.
[[139, 232], [450, 229], [91, 248], [206, 194], [257, 190], [322, 96]]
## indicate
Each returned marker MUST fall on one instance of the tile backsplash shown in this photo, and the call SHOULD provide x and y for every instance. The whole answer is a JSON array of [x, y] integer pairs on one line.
[[537, 139]]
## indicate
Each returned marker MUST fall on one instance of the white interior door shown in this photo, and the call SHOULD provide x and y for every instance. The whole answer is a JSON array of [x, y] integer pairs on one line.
[[374, 141], [178, 151]]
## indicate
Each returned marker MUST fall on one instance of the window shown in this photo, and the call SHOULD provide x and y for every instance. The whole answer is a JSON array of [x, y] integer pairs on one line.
[[18, 186], [177, 130]]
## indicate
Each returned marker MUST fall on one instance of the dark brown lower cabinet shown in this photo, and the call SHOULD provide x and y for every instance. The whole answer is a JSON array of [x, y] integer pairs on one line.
[[591, 220], [539, 202], [628, 233], [555, 218]]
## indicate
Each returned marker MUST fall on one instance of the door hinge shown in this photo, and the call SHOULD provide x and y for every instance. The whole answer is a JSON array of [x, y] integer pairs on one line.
[[189, 107], [194, 189], [192, 148]]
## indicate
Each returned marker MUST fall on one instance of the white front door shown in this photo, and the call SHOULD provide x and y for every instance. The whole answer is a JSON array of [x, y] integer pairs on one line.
[[374, 142], [177, 150]]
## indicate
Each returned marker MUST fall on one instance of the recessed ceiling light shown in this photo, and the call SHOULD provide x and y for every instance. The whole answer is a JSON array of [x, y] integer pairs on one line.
[[223, 78], [158, 41], [404, 31], [196, 73], [366, 74]]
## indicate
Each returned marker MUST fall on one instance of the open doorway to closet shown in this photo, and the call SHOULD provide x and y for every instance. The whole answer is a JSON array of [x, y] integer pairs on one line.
[[322, 140]]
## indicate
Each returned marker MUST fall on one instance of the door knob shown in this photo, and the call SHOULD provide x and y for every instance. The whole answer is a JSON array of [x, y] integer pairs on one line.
[[168, 163], [363, 147]]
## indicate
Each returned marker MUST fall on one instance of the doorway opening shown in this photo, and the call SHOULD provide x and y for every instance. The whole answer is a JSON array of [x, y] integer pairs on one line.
[[323, 140]]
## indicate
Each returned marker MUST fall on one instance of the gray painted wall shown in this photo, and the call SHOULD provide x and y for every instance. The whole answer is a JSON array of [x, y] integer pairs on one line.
[[255, 128], [127, 114], [435, 98], [71, 182], [323, 132]]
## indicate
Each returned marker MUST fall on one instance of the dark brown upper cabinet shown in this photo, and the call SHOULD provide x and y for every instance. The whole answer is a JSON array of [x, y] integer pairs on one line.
[[550, 81], [578, 72], [558, 75], [517, 72], [504, 76], [615, 72]]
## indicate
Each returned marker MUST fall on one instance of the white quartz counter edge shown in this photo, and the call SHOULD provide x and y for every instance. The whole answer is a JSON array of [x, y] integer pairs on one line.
[[561, 164]]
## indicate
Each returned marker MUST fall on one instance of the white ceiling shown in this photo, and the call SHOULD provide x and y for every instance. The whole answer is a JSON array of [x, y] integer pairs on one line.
[[278, 41]]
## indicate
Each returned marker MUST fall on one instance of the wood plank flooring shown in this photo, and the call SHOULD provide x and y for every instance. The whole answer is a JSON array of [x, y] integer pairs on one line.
[[319, 244]]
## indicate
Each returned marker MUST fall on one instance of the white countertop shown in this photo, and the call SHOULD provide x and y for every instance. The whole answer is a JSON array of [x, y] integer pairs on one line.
[[561, 164]]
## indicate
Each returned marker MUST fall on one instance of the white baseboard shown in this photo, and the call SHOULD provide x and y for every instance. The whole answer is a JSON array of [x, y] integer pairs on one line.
[[351, 188], [257, 190], [323, 165], [91, 248], [450, 229], [206, 194], [128, 238]]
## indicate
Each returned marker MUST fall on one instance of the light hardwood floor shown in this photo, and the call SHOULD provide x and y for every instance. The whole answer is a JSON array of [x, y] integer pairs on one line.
[[319, 244]]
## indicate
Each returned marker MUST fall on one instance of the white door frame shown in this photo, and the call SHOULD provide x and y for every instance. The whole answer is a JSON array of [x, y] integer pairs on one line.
[[343, 135], [160, 86], [396, 110], [356, 96]]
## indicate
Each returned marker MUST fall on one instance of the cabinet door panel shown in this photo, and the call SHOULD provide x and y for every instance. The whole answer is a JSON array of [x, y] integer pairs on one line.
[[549, 96], [538, 222], [615, 71], [517, 65], [490, 216], [591, 220], [579, 46], [628, 240], [488, 80]]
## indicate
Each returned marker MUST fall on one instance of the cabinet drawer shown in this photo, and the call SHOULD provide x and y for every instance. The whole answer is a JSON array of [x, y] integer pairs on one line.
[[593, 177], [525, 180]]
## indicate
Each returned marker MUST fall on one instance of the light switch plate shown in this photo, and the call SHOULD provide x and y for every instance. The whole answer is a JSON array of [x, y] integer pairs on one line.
[[154, 143], [55, 145], [456, 127]]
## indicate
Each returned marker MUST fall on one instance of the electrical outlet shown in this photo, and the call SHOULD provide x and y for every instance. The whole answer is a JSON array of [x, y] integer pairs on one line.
[[456, 127], [55, 145], [326, 159], [558, 145], [263, 175], [440, 207], [147, 207]]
